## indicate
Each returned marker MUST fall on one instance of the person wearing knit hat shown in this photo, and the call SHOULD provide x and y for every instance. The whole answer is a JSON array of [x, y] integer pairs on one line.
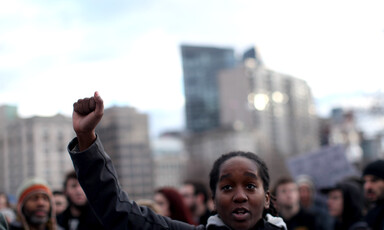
[[35, 209], [373, 176], [311, 202]]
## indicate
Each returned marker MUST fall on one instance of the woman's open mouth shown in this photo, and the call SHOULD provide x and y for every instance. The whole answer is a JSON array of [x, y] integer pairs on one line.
[[240, 214]]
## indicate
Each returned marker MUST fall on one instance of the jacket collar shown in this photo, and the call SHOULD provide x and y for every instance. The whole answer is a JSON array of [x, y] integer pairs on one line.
[[215, 222]]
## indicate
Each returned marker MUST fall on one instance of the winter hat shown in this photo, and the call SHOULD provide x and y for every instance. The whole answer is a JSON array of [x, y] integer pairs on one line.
[[29, 187], [305, 180], [375, 168]]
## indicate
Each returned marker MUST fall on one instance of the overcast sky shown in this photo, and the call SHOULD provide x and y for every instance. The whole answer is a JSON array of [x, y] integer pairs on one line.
[[54, 52]]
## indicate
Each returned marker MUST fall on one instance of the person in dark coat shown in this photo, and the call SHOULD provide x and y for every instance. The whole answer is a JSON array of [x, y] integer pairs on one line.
[[345, 203], [196, 197], [287, 201], [311, 202], [373, 176], [239, 182], [78, 215]]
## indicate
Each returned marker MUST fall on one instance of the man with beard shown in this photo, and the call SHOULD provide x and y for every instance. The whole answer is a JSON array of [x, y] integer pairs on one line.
[[373, 176], [78, 215], [286, 192], [195, 196], [34, 206]]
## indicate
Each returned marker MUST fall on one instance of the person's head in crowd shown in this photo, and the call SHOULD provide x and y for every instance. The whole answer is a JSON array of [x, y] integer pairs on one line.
[[78, 214], [171, 204], [35, 207], [61, 202], [4, 202], [74, 192], [286, 193], [345, 203], [373, 177], [5, 208], [306, 191], [187, 190], [239, 183], [195, 195]]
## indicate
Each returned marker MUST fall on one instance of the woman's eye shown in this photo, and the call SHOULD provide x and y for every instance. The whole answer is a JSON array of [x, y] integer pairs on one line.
[[226, 187], [251, 186]]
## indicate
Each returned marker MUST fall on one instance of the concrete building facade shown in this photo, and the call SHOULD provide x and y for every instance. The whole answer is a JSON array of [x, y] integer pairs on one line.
[[125, 136], [280, 107], [35, 146]]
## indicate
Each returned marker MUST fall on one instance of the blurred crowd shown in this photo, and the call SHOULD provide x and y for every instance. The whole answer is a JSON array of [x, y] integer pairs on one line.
[[355, 203]]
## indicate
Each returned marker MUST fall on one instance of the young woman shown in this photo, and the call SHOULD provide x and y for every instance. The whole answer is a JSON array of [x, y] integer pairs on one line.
[[239, 183], [345, 204], [171, 204]]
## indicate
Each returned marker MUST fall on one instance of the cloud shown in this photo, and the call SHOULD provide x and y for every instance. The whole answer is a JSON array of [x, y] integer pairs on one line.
[[52, 53]]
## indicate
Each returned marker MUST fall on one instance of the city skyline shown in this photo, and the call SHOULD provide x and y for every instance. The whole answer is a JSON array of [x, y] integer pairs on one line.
[[130, 52]]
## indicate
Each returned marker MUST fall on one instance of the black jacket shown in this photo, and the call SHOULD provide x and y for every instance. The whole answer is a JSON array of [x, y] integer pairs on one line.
[[375, 217], [111, 204], [302, 220], [87, 219]]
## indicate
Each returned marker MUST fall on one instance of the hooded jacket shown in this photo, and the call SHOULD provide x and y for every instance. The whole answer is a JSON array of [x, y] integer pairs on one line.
[[111, 204], [352, 217]]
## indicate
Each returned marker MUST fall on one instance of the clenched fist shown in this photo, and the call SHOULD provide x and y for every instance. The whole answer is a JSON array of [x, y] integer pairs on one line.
[[87, 113], [85, 106]]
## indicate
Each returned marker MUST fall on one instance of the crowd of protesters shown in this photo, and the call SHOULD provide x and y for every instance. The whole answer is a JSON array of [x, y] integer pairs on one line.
[[241, 196]]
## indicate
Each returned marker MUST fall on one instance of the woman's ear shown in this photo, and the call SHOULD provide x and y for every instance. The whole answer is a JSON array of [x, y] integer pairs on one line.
[[267, 200]]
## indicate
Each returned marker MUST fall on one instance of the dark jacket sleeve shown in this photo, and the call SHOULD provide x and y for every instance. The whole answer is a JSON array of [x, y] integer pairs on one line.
[[112, 206]]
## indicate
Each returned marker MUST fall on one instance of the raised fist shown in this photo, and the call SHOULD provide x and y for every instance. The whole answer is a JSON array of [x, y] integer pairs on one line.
[[85, 106]]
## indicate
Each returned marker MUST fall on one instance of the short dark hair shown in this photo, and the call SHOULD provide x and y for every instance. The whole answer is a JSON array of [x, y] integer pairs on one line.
[[70, 175], [281, 181], [199, 188], [58, 192]]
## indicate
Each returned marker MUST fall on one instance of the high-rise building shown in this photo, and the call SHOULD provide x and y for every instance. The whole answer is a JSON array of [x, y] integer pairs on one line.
[[200, 68], [261, 111], [124, 133], [35, 146], [278, 106]]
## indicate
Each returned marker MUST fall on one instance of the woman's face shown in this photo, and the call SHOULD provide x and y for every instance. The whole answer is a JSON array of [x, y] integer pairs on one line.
[[162, 203], [240, 197], [335, 203]]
